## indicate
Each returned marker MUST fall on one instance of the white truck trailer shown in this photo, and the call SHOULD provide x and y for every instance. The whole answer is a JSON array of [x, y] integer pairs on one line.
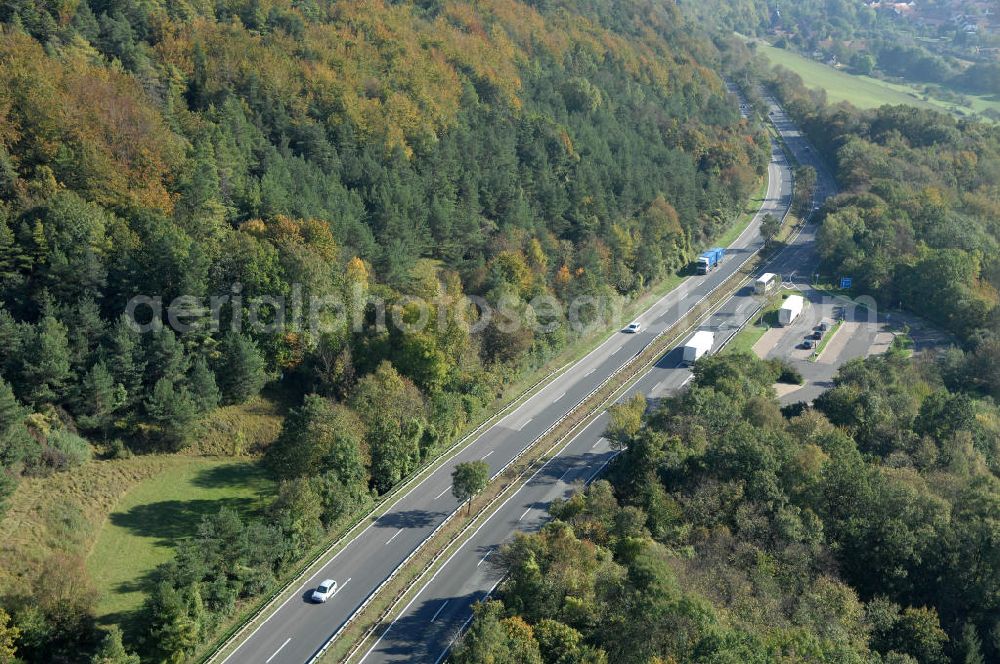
[[790, 309], [766, 282], [700, 344]]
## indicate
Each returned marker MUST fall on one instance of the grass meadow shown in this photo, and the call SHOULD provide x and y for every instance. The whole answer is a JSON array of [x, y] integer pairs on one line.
[[143, 529], [866, 91]]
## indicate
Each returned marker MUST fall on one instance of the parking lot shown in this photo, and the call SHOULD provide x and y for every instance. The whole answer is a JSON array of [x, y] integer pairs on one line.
[[861, 332]]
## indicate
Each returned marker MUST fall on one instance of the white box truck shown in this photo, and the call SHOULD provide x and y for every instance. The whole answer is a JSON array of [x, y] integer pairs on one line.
[[698, 345], [790, 309], [765, 283]]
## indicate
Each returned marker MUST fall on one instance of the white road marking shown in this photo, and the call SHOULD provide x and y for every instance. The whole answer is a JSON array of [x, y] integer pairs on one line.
[[443, 492], [341, 586], [566, 473], [489, 453], [597, 443], [525, 513], [268, 660], [561, 395], [687, 380], [525, 423], [590, 372], [617, 349], [488, 554], [438, 612], [393, 537]]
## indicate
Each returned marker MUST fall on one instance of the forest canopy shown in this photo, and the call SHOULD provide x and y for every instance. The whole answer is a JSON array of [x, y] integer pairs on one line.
[[861, 530]]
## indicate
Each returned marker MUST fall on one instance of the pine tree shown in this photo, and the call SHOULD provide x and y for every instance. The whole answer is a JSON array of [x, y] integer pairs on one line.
[[173, 630], [241, 373], [124, 358], [40, 253], [173, 409], [46, 370], [970, 646], [11, 257], [112, 650], [167, 358], [99, 398], [16, 444], [204, 389], [196, 86], [86, 329]]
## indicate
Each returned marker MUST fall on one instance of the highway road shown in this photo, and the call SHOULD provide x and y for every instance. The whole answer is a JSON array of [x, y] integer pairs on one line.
[[426, 627], [296, 630]]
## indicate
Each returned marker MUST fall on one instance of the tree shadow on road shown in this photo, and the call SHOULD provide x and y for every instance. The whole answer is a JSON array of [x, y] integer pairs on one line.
[[409, 519]]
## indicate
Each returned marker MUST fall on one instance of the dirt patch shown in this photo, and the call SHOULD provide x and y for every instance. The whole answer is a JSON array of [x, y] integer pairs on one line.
[[784, 389]]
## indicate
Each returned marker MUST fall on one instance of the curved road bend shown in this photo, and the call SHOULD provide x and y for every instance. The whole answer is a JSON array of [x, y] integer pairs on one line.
[[427, 626], [297, 630]]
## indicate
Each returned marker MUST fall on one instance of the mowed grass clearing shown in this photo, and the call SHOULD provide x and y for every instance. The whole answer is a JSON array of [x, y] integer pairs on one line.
[[153, 516], [865, 91]]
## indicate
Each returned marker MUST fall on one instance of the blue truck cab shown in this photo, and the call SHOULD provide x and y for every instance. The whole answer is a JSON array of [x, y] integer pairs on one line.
[[709, 260]]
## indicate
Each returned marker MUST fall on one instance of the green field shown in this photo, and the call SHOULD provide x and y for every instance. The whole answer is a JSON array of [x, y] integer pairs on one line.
[[144, 527], [865, 91]]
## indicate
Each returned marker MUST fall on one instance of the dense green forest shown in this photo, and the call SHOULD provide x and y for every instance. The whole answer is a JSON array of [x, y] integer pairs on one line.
[[863, 529], [367, 150]]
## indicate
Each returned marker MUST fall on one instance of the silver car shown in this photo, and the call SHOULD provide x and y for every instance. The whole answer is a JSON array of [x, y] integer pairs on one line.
[[324, 591]]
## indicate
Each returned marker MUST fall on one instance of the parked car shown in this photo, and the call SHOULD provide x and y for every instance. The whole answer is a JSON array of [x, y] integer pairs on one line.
[[324, 591], [808, 344]]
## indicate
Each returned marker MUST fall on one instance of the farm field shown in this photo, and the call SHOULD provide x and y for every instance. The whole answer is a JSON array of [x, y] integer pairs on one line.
[[864, 91]]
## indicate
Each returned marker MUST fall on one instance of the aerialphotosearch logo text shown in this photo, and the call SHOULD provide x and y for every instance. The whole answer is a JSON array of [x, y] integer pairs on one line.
[[361, 310]]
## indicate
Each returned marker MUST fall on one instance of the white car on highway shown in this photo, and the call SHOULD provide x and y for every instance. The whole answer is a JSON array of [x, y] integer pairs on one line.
[[633, 327], [324, 591]]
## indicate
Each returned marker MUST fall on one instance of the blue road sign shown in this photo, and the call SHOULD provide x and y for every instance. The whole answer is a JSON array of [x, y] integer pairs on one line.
[[845, 282]]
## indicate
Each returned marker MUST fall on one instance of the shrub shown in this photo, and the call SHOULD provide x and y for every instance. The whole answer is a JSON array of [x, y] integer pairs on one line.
[[789, 374], [67, 450]]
